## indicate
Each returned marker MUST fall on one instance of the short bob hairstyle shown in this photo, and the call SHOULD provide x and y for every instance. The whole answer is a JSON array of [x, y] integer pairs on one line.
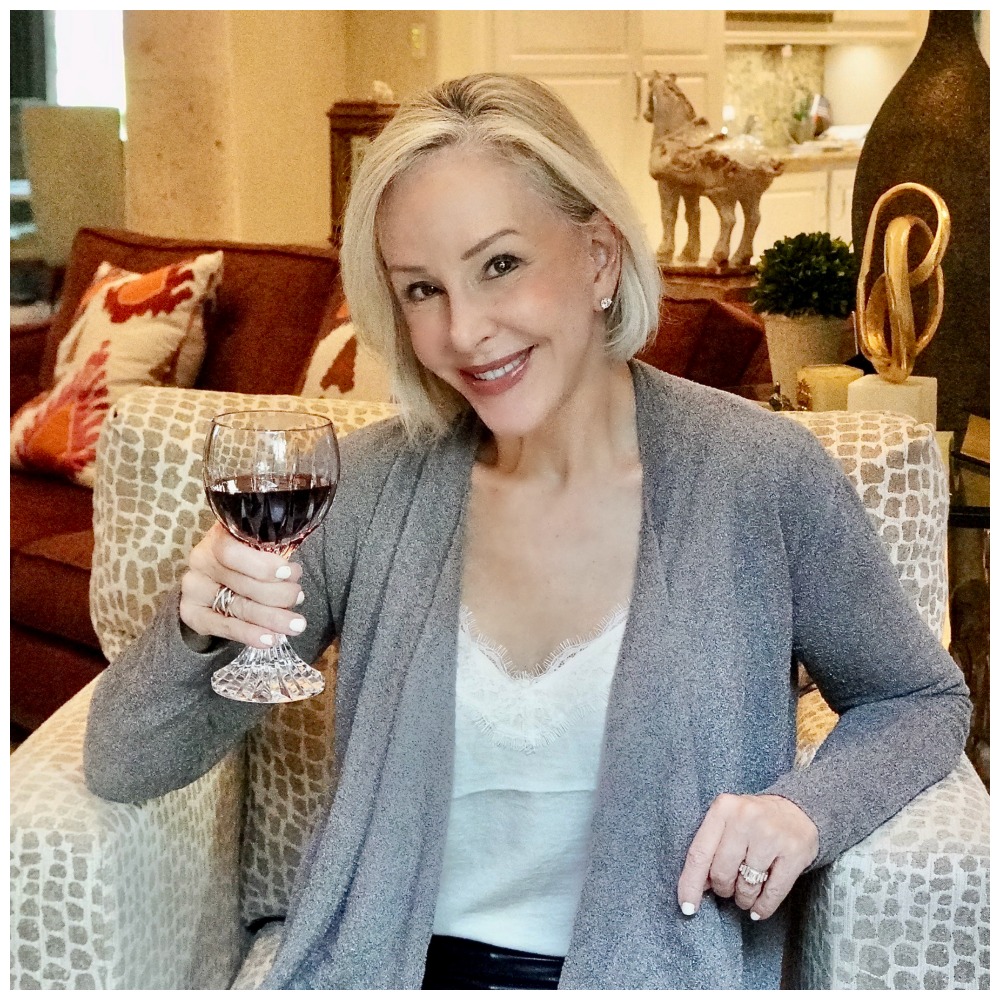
[[526, 124]]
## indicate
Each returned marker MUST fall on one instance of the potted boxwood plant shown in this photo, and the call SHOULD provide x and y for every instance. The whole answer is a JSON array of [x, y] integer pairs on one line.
[[805, 293]]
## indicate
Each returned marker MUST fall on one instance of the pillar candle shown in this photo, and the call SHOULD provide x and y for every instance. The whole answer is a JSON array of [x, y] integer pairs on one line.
[[824, 387]]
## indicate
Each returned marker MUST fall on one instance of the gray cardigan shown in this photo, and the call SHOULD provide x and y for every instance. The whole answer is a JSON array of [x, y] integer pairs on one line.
[[754, 552]]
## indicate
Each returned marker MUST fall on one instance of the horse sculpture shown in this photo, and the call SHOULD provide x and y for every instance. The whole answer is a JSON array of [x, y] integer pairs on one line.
[[688, 159]]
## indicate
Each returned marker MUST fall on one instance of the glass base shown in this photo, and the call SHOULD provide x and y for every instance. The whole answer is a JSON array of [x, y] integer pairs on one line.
[[268, 676]]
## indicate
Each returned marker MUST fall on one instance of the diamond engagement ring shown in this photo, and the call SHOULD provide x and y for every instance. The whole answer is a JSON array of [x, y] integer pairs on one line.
[[223, 603], [752, 876]]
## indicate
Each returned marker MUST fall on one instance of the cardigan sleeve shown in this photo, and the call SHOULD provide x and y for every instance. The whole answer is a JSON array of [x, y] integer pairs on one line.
[[155, 724], [903, 704]]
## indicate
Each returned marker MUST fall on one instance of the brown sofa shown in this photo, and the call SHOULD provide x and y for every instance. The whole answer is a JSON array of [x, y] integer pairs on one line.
[[271, 305], [269, 309]]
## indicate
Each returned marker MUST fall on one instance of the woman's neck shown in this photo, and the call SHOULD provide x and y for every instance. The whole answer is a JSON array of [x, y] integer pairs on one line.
[[592, 433]]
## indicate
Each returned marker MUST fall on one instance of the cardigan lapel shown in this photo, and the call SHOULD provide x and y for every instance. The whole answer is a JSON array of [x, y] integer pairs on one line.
[[656, 779], [363, 919]]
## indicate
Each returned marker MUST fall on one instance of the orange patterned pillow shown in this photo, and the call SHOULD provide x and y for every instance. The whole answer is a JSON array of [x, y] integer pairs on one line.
[[340, 368], [129, 330]]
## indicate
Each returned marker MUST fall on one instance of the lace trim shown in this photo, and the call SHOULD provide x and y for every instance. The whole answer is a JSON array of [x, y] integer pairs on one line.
[[499, 655], [530, 710]]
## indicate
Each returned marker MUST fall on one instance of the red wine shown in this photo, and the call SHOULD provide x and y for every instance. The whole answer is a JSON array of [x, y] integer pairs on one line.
[[283, 514]]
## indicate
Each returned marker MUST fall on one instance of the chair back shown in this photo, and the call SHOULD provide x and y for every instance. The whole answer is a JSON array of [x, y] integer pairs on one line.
[[895, 465], [149, 510], [75, 163], [269, 309]]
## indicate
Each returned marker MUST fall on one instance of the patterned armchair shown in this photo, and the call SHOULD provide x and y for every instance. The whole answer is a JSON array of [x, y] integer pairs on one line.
[[179, 892]]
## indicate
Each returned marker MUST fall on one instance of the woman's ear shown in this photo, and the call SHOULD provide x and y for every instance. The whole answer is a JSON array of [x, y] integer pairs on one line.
[[606, 254]]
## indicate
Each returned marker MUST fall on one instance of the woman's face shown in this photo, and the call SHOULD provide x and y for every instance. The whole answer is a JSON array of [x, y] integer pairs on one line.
[[500, 291]]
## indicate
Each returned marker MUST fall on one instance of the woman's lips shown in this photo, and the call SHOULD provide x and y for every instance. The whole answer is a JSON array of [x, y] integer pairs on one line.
[[497, 376]]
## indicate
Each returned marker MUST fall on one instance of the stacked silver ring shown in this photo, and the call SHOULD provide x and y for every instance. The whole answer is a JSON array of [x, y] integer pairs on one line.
[[223, 603], [752, 875]]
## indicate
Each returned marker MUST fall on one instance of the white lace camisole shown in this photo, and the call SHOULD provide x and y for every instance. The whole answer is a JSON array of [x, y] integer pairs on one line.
[[527, 754]]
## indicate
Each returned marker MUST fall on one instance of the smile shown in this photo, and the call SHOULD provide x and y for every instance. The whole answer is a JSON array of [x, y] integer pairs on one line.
[[498, 375], [495, 373], [497, 369]]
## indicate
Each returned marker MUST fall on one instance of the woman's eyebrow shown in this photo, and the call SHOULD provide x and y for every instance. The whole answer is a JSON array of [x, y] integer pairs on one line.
[[480, 246], [483, 244]]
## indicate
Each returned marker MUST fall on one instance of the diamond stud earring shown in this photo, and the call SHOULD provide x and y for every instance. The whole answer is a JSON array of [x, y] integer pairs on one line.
[[606, 302]]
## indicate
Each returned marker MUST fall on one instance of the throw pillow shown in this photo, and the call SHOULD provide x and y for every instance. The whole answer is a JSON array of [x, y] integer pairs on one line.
[[706, 341], [340, 368], [129, 330]]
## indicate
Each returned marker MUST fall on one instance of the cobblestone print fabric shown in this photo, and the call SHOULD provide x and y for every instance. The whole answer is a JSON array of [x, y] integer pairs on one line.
[[111, 896]]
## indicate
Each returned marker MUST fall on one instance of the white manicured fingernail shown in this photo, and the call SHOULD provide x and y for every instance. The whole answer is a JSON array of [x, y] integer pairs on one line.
[[299, 599], [267, 640], [688, 909], [283, 572], [754, 915], [297, 624]]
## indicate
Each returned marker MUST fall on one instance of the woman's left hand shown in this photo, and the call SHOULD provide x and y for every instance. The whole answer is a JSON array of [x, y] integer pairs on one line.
[[766, 833]]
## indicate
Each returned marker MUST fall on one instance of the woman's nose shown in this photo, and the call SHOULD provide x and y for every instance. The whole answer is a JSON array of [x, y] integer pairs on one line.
[[469, 322]]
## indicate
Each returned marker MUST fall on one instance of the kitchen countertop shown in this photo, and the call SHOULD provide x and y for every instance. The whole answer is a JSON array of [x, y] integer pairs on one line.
[[819, 156]]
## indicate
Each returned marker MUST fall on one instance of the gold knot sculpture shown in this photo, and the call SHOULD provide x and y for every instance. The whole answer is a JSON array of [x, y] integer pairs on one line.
[[890, 297]]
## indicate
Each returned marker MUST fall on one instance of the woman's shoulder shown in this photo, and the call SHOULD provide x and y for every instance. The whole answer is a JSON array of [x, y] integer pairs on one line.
[[378, 439], [698, 418], [384, 452], [369, 454]]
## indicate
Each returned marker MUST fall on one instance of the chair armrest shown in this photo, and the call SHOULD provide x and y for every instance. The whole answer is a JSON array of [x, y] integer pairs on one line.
[[107, 895], [27, 346], [908, 907]]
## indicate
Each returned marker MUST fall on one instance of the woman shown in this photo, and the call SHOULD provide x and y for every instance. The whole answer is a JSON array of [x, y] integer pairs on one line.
[[569, 590]]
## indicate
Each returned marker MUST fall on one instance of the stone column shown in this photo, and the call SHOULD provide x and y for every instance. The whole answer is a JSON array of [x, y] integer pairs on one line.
[[227, 130], [179, 163]]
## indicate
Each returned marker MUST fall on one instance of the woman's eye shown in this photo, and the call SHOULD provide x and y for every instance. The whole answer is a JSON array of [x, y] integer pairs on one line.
[[502, 264], [419, 291]]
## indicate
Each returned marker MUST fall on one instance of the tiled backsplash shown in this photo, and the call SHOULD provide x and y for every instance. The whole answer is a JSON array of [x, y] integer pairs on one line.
[[771, 83]]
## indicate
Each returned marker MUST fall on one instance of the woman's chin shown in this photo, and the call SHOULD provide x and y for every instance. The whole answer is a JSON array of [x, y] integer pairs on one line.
[[509, 422]]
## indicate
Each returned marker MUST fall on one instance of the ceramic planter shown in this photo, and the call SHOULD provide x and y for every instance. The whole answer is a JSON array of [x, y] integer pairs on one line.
[[794, 342]]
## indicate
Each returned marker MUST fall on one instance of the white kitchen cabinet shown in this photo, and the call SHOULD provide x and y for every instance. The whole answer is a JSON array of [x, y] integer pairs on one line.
[[841, 193], [794, 203], [825, 27], [809, 201], [599, 62]]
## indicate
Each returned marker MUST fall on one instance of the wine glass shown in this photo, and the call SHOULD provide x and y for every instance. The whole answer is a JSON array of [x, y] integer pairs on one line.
[[270, 476]]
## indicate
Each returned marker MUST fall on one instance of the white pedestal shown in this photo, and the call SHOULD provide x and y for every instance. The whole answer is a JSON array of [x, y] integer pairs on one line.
[[916, 397]]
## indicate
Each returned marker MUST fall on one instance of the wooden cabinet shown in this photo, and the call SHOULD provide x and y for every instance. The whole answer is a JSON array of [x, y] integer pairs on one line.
[[824, 27], [353, 124]]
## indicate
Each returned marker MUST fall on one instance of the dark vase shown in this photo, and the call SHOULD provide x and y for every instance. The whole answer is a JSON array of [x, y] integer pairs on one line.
[[934, 128]]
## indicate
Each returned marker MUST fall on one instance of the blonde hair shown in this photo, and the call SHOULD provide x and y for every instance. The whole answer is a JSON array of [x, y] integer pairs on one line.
[[528, 125]]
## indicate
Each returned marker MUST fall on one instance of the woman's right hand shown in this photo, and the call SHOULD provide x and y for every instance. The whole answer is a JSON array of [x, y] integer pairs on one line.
[[266, 588]]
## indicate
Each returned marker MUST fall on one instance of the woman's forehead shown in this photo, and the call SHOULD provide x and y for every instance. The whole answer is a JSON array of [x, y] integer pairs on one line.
[[457, 183], [450, 164]]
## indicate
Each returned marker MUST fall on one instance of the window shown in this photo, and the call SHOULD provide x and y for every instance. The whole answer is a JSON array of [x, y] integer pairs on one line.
[[89, 58]]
